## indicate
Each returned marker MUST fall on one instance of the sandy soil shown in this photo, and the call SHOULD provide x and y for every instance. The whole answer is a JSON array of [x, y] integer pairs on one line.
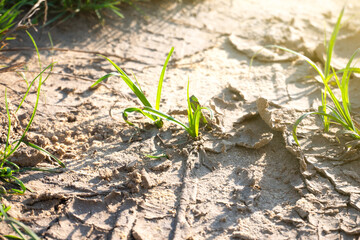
[[245, 180]]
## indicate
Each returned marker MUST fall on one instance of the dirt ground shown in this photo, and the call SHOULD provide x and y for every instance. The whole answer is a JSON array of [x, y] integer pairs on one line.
[[245, 179]]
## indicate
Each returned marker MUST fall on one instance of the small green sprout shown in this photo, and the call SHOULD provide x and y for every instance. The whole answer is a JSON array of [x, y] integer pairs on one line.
[[194, 115], [6, 173], [340, 112], [135, 87]]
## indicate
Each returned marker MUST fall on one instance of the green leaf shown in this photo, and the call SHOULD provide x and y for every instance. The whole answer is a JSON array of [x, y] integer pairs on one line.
[[158, 95], [308, 60], [317, 113], [131, 84], [332, 43], [46, 152], [165, 116], [139, 110]]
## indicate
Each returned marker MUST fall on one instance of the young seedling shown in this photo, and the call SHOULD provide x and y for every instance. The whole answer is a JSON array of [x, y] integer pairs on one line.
[[8, 168], [135, 87], [340, 108], [6, 173], [194, 115]]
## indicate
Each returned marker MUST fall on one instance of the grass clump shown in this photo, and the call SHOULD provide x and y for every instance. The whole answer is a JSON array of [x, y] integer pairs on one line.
[[8, 15], [135, 87], [65, 9], [8, 169], [61, 10], [194, 109], [338, 111]]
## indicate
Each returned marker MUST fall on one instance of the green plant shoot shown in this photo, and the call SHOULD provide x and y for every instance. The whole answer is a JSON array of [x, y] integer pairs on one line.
[[194, 115], [135, 87], [339, 112]]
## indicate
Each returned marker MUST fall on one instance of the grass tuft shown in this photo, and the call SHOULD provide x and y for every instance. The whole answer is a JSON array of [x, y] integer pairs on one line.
[[338, 111], [135, 87], [194, 115], [194, 109], [7, 168]]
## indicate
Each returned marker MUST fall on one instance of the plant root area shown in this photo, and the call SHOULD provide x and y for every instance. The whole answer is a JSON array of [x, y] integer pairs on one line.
[[243, 179]]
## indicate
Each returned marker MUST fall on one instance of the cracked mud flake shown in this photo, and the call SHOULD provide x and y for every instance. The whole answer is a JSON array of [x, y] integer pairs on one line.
[[91, 212], [260, 53], [67, 228]]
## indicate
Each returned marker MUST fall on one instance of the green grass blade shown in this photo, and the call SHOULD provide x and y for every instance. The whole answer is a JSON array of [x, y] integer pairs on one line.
[[165, 116], [196, 123], [131, 84], [20, 183], [189, 110], [195, 104], [7, 219], [31, 119], [118, 13], [44, 151], [158, 95], [347, 73], [32, 82], [9, 129], [332, 43], [17, 168], [37, 50], [104, 78], [308, 60], [13, 237], [137, 82], [13, 222], [197, 117], [139, 110], [156, 157], [298, 121], [335, 112], [335, 101], [351, 69], [344, 111]]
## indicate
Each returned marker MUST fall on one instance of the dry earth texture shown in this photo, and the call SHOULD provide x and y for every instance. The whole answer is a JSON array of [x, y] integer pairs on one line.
[[245, 179]]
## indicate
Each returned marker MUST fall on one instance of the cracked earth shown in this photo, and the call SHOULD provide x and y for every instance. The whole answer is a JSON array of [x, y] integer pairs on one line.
[[245, 179]]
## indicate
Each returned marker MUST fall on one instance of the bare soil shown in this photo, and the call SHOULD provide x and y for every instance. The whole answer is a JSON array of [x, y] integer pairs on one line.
[[245, 179]]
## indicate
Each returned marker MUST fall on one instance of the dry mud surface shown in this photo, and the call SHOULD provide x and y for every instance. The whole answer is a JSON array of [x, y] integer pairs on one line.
[[244, 180]]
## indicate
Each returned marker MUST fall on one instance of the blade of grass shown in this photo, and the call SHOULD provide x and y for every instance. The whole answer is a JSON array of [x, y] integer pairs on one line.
[[129, 82], [197, 117], [165, 116], [31, 118], [134, 109], [317, 113], [331, 44], [44, 151], [32, 82], [158, 95], [308, 60], [9, 128], [37, 50], [12, 221]]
